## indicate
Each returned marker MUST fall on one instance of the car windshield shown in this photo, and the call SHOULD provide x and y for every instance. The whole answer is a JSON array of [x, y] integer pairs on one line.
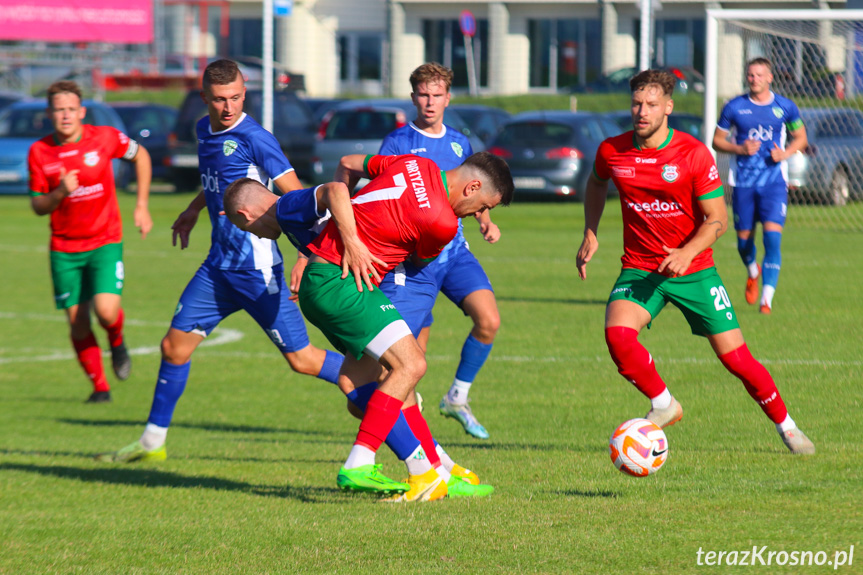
[[538, 134], [34, 122], [361, 125], [839, 126]]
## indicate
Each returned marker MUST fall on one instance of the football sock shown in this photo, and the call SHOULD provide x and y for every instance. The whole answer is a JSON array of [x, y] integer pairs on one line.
[[360, 455], [382, 412], [421, 430], [90, 358], [757, 380], [661, 401], [332, 364], [417, 463], [633, 361], [767, 296], [772, 258], [746, 249], [115, 330], [786, 425], [445, 459], [473, 356], [170, 384], [153, 437], [401, 440]]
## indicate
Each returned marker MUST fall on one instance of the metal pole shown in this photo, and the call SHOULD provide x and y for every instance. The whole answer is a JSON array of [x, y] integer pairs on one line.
[[471, 65], [267, 70], [646, 23]]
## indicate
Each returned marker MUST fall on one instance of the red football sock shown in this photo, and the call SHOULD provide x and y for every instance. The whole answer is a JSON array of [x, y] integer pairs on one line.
[[115, 330], [633, 361], [418, 425], [381, 414], [757, 380], [90, 358]]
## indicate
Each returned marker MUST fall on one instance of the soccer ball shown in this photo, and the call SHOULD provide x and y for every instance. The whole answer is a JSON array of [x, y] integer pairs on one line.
[[638, 447]]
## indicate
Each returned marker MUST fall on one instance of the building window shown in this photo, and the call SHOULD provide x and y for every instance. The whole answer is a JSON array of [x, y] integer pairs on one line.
[[564, 53], [360, 57], [679, 43], [445, 44]]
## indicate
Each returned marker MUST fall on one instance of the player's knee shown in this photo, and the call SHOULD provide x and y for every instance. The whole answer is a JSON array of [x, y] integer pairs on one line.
[[487, 326], [415, 367], [306, 361], [354, 410], [173, 353], [620, 340]]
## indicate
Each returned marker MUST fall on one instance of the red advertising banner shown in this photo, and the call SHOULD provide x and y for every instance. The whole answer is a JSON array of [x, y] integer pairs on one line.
[[115, 21]]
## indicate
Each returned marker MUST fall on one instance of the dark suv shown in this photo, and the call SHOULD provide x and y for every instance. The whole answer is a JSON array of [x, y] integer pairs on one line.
[[293, 126]]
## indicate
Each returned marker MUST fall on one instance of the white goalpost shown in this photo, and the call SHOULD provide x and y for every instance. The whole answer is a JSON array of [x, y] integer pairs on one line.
[[817, 57]]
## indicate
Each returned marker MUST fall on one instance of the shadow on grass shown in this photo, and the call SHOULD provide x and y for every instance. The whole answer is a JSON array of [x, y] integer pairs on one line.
[[157, 478], [203, 426], [499, 446], [581, 493]]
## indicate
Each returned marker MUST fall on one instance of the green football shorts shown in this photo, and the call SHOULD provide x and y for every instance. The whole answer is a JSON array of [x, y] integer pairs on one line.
[[77, 277], [700, 296], [354, 322]]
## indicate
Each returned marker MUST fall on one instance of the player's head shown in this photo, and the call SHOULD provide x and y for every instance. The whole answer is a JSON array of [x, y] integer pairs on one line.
[[246, 201], [484, 181], [224, 91], [759, 75], [430, 84], [651, 101], [65, 109]]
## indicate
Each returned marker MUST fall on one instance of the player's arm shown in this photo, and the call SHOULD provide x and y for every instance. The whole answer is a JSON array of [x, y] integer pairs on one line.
[[187, 219], [489, 230], [714, 225], [288, 182], [143, 176], [356, 259], [44, 204], [721, 143], [595, 195], [799, 141], [351, 170]]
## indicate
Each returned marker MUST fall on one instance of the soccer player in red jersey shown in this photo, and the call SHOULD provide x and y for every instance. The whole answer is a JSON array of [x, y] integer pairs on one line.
[[673, 211], [409, 211], [71, 179]]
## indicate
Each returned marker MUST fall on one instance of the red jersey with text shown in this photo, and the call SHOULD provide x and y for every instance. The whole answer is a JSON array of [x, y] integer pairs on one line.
[[659, 192], [404, 210], [89, 217]]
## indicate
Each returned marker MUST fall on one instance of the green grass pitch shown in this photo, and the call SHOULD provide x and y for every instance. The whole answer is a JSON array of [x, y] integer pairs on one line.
[[249, 485]]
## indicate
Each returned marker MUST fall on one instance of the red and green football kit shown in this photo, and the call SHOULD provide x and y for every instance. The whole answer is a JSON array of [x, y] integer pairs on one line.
[[404, 210], [89, 217], [659, 192]]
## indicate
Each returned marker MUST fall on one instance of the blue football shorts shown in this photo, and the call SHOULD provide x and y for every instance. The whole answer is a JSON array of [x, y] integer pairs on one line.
[[765, 204], [213, 294]]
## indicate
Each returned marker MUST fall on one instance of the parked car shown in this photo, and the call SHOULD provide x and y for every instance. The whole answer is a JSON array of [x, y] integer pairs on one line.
[[359, 127], [551, 154], [689, 123], [7, 98], [483, 121], [27, 121], [688, 80], [320, 106], [293, 127], [830, 170], [149, 125]]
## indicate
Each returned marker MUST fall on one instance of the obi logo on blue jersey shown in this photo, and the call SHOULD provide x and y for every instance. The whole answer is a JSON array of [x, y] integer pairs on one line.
[[761, 133], [210, 182]]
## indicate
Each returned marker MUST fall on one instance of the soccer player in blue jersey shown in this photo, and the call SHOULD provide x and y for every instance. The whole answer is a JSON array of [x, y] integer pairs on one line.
[[761, 122], [242, 271], [456, 272]]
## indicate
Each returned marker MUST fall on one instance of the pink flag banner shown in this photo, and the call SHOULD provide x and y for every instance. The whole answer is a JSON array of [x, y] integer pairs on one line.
[[118, 22]]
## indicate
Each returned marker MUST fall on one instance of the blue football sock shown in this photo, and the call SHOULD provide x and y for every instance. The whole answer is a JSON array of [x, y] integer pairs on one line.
[[332, 364], [401, 439], [772, 258], [746, 249], [169, 387], [473, 356]]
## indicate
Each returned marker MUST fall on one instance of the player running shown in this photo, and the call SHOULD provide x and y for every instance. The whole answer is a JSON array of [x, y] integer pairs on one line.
[[673, 211], [71, 178], [761, 122], [456, 272], [241, 271]]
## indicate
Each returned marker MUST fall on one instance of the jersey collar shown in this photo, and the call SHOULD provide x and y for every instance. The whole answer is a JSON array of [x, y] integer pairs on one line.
[[234, 125], [768, 103], [662, 145], [445, 185], [428, 134]]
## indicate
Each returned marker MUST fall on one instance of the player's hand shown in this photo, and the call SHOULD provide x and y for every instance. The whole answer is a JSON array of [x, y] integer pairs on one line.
[[676, 263], [585, 253], [297, 276], [143, 221], [68, 181], [490, 232], [777, 153], [751, 147], [359, 261], [183, 227]]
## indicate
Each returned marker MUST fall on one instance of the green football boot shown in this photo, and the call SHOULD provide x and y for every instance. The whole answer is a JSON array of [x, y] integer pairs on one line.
[[134, 453], [369, 478], [459, 487]]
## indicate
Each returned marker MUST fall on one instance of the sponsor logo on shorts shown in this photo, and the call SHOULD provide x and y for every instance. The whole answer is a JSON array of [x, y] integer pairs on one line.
[[229, 147], [276, 337], [387, 307], [179, 308], [456, 147], [670, 173], [62, 296], [91, 158], [621, 290]]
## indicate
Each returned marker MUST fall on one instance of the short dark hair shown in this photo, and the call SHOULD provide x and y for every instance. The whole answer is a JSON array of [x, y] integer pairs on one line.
[[239, 193], [665, 80], [63, 87], [762, 61], [495, 171], [431, 72], [221, 72]]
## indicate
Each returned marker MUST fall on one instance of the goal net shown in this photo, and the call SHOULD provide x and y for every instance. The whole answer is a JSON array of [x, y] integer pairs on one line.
[[817, 58]]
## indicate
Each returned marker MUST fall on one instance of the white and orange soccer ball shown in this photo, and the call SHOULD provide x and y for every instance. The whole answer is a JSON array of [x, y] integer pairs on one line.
[[638, 447]]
